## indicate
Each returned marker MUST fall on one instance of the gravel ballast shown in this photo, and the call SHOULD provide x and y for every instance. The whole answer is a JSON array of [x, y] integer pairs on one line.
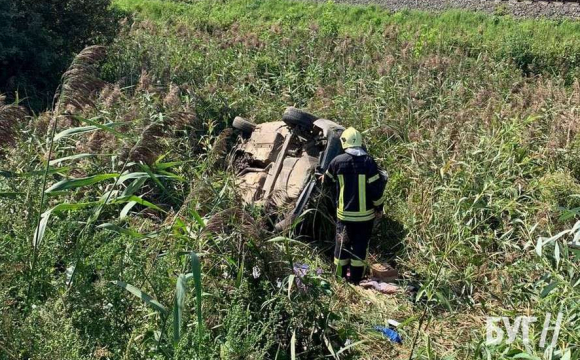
[[535, 9]]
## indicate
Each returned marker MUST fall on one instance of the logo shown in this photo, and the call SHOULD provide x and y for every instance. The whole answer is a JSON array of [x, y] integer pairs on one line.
[[497, 328]]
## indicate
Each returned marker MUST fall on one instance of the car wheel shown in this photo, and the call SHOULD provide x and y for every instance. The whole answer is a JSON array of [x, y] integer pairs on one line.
[[297, 117], [245, 126]]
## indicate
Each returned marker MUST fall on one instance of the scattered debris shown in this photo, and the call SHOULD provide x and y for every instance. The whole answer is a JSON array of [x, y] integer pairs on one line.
[[385, 288], [393, 323], [390, 334], [384, 272], [256, 272], [300, 271], [69, 274]]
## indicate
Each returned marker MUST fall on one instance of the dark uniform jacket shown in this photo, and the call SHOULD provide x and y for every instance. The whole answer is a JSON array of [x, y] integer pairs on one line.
[[359, 187]]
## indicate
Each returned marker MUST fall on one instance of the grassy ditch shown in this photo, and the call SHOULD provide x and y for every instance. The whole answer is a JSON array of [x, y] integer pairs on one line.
[[145, 251]]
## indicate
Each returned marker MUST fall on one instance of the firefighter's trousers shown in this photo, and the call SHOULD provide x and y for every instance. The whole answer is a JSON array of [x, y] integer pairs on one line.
[[350, 251]]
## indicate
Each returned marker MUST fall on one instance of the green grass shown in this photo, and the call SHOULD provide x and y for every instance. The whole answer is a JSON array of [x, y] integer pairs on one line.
[[473, 116], [545, 44]]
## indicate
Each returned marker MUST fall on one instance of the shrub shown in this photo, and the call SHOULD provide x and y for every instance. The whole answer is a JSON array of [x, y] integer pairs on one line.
[[39, 39], [559, 190]]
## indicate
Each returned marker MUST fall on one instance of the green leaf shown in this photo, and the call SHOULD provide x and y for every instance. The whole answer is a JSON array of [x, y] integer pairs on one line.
[[140, 175], [557, 253], [51, 171], [539, 246], [41, 227], [11, 195], [343, 349], [171, 175], [329, 347], [525, 356], [548, 289], [120, 230], [72, 157], [197, 218], [143, 296], [126, 209], [196, 270], [75, 183], [545, 241], [155, 179], [73, 131], [85, 129], [567, 355], [286, 240], [443, 300], [107, 127], [139, 201], [135, 186], [167, 165], [180, 291], [240, 275]]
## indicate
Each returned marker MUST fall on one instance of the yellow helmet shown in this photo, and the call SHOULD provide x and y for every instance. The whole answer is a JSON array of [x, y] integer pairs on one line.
[[351, 137]]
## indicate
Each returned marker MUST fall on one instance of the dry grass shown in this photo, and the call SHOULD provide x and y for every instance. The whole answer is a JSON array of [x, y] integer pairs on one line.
[[81, 82], [11, 118]]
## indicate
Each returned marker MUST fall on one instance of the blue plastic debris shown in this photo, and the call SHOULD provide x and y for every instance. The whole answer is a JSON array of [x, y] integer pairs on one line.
[[390, 334], [300, 270]]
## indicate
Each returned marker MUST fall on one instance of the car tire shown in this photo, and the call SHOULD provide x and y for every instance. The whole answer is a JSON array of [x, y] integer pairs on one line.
[[297, 117], [245, 126]]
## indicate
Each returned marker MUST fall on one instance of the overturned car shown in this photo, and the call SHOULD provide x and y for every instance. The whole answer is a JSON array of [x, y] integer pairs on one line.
[[278, 163]]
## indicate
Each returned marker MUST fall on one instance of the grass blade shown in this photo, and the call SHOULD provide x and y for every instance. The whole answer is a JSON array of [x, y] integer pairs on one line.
[[139, 175], [290, 283], [130, 232], [167, 165], [68, 184], [126, 209], [41, 227], [548, 289], [329, 347], [343, 349], [50, 171], [180, 291], [197, 218], [139, 201], [74, 131], [72, 157], [107, 127], [143, 296], [11, 195], [84, 129], [196, 270], [134, 186], [293, 346]]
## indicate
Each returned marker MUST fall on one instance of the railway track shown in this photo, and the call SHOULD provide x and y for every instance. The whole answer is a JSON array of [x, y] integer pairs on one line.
[[554, 9]]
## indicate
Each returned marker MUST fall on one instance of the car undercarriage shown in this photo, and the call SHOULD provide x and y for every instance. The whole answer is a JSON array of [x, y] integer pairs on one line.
[[278, 163]]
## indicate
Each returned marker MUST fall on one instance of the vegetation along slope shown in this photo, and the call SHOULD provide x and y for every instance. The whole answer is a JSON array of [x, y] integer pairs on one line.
[[139, 247]]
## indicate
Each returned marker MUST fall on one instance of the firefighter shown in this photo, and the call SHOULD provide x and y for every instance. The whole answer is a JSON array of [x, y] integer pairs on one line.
[[358, 195]]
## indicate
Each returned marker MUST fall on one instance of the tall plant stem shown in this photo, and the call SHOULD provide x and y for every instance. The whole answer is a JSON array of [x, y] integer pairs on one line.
[[35, 245]]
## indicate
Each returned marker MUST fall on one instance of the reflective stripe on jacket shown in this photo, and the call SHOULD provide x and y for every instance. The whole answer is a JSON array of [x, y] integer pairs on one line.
[[359, 187]]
